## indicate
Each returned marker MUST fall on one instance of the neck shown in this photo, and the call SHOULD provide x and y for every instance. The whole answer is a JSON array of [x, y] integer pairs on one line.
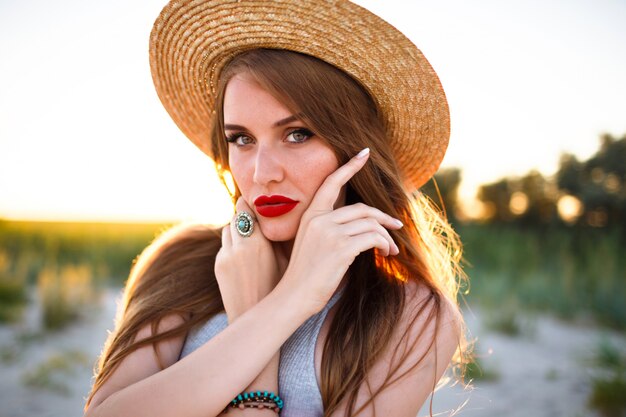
[[283, 250]]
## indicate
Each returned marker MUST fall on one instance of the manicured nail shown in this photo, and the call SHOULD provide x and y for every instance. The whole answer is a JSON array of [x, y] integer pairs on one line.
[[362, 154], [397, 251], [398, 223]]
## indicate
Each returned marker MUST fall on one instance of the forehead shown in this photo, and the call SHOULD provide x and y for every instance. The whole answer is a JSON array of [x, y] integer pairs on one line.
[[246, 99]]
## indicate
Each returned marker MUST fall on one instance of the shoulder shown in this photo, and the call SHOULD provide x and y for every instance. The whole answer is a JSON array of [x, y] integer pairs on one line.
[[421, 348], [430, 328], [434, 311]]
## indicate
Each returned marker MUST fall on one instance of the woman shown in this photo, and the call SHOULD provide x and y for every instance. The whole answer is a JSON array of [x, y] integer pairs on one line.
[[330, 273]]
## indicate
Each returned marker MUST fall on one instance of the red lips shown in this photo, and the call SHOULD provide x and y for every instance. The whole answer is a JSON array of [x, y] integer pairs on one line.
[[274, 205]]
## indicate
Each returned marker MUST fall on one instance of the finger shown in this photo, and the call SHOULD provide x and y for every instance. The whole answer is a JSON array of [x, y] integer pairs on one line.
[[234, 234], [360, 211], [227, 240], [370, 240], [241, 205], [362, 226], [328, 192]]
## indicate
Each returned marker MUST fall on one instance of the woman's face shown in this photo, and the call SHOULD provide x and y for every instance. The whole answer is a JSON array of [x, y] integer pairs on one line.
[[276, 161]]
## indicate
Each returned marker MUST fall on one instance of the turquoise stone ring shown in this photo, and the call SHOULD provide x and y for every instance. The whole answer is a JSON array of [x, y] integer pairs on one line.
[[244, 224]]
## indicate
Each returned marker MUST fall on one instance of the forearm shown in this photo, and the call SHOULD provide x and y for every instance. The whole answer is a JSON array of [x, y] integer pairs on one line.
[[267, 380], [204, 382]]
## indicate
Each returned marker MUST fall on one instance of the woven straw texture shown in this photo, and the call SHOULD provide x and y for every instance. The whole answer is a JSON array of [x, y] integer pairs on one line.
[[191, 41]]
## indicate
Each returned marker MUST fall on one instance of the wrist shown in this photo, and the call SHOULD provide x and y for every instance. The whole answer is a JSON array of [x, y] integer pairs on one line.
[[294, 300], [243, 303]]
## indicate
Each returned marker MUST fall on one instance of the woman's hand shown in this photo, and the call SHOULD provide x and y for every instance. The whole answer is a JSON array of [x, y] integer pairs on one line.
[[329, 240], [245, 267]]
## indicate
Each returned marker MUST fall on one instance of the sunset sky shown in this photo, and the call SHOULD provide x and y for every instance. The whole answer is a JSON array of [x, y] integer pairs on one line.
[[83, 135]]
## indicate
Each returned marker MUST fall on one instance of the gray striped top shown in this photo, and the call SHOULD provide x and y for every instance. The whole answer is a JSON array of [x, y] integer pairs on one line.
[[297, 382]]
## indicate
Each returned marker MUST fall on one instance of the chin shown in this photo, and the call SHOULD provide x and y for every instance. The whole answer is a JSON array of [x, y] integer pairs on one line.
[[276, 231]]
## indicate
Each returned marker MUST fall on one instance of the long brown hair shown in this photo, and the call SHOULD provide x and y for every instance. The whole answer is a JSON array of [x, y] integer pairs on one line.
[[338, 109]]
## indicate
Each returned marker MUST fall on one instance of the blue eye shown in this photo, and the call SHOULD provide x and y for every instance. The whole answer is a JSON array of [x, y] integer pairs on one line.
[[239, 139], [299, 135]]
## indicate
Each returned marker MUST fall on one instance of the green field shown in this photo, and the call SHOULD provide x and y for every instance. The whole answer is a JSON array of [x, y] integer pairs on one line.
[[108, 248], [569, 272], [66, 263], [572, 272]]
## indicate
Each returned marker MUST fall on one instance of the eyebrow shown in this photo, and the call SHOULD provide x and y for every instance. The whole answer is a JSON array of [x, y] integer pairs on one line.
[[279, 123]]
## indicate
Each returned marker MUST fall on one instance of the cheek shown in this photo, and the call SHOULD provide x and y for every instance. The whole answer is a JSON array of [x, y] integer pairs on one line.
[[240, 172], [314, 171]]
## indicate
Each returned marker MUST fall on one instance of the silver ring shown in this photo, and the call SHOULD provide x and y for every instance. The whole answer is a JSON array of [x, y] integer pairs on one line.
[[244, 224]]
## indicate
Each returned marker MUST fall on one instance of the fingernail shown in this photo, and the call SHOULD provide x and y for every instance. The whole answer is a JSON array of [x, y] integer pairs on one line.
[[398, 223], [363, 153], [397, 251]]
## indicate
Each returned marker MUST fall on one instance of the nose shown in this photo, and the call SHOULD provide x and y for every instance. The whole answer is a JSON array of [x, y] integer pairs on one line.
[[268, 167]]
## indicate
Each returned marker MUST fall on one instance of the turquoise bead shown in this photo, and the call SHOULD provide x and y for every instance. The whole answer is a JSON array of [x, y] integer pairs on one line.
[[245, 395], [239, 397]]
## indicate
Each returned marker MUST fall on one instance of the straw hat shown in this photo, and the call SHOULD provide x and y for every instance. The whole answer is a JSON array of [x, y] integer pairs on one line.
[[192, 40]]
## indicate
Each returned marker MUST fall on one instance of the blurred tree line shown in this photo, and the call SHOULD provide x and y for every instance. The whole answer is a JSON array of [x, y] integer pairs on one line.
[[587, 194], [553, 243]]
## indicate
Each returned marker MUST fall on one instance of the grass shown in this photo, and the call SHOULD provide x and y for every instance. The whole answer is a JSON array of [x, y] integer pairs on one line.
[[66, 262], [476, 370], [607, 356], [608, 385], [9, 354], [507, 318], [52, 373], [12, 292], [504, 319], [109, 248], [65, 293], [551, 374], [570, 272], [608, 395]]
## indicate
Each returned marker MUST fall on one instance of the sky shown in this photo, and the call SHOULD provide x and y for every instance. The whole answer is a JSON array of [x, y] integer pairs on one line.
[[83, 135]]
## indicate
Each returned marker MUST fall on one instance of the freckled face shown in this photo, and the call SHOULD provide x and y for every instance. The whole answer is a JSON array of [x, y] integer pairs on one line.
[[272, 154]]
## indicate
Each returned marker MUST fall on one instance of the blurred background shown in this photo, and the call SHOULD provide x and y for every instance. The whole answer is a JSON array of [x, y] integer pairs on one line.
[[534, 181]]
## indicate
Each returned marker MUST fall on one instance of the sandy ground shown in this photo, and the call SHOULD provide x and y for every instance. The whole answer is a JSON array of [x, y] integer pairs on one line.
[[544, 372], [541, 373], [69, 354]]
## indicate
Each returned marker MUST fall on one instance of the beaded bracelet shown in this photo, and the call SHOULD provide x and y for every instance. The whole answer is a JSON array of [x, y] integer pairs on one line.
[[269, 406], [257, 399]]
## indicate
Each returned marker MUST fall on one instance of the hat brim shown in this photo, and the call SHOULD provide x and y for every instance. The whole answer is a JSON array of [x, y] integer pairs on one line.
[[191, 41]]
